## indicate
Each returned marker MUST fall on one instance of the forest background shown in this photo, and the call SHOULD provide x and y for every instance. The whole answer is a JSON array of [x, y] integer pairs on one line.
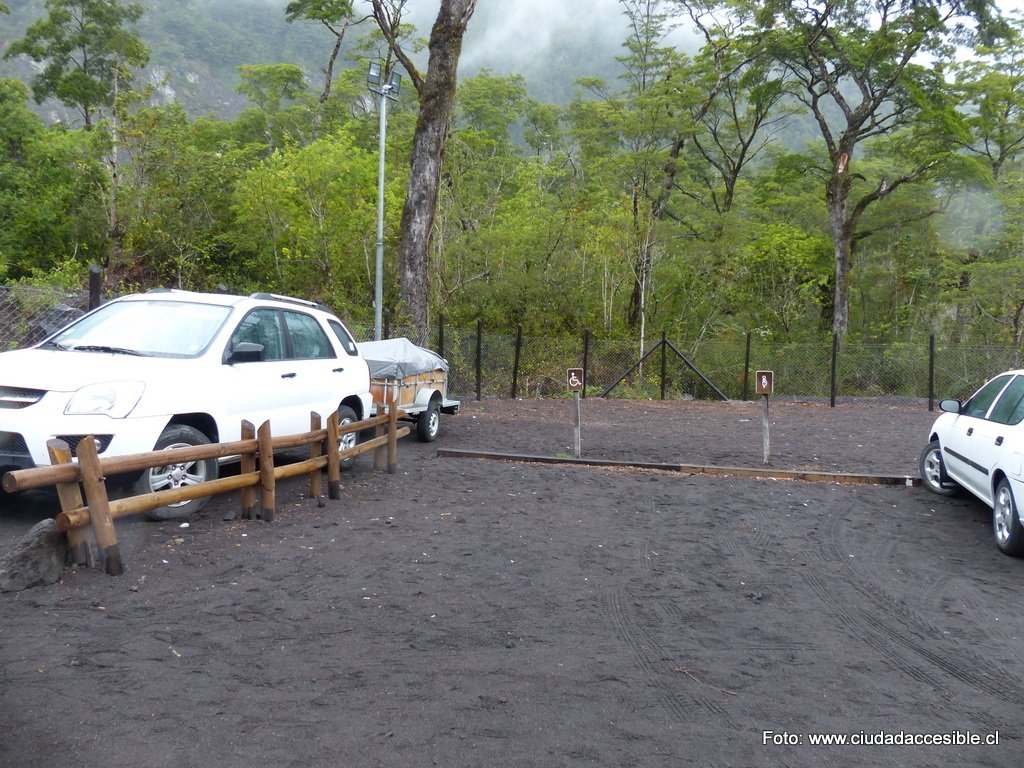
[[666, 168]]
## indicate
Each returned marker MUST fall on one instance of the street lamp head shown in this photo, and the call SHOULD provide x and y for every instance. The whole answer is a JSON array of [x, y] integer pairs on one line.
[[373, 74], [375, 81], [394, 84]]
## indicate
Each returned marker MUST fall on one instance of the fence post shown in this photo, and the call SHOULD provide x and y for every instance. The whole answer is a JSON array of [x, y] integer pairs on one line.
[[479, 357], [586, 360], [515, 364], [380, 454], [333, 458], [247, 465], [835, 357], [268, 487], [393, 439], [316, 480], [99, 507], [440, 335], [664, 361], [81, 538], [746, 370], [931, 373], [94, 286]]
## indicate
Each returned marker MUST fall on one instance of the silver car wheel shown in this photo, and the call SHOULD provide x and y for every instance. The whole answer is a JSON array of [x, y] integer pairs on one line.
[[177, 475], [933, 467], [1003, 514], [932, 471]]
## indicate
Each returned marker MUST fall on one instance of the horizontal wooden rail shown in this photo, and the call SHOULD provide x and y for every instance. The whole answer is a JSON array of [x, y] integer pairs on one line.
[[46, 476], [97, 545], [136, 504]]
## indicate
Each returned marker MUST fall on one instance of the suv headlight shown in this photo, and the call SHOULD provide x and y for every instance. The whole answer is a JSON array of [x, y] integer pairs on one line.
[[115, 399]]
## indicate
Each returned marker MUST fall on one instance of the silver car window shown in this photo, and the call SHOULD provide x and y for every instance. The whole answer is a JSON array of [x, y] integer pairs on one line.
[[1008, 409], [978, 406]]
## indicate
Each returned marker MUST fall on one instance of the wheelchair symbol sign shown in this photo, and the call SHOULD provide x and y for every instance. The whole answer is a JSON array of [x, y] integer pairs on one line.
[[574, 379]]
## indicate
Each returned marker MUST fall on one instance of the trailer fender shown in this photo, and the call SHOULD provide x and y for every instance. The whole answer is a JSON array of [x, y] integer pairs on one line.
[[424, 396]]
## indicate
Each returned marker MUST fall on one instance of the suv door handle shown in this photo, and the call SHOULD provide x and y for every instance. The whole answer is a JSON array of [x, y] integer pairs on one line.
[[337, 370], [288, 375], [999, 440], [970, 431]]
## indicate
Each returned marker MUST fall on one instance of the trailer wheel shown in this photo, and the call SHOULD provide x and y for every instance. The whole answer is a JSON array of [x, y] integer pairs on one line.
[[428, 423]]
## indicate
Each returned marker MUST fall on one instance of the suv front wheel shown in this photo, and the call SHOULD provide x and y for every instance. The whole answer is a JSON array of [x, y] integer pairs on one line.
[[178, 475]]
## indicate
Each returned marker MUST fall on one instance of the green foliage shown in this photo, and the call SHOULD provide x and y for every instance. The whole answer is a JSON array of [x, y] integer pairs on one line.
[[304, 218], [269, 85], [693, 177], [84, 46]]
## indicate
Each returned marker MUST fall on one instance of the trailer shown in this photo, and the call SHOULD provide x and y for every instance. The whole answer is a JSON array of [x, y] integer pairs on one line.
[[413, 378]]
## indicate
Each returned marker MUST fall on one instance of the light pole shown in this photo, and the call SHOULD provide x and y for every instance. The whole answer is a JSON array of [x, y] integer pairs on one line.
[[389, 90]]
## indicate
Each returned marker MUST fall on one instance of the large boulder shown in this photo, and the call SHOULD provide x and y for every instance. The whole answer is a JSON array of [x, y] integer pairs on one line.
[[36, 560]]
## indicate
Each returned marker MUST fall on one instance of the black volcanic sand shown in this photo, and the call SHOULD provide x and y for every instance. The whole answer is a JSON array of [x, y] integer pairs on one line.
[[468, 612]]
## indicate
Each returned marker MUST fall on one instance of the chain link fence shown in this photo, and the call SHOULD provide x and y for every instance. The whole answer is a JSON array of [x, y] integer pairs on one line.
[[485, 364], [28, 315]]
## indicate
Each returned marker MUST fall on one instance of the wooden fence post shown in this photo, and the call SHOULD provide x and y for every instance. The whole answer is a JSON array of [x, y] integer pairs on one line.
[[248, 466], [315, 451], [393, 439], [81, 540], [380, 456], [268, 488], [333, 458], [99, 507]]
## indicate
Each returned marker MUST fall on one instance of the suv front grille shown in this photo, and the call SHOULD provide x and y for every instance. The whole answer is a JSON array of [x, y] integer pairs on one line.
[[19, 397], [13, 445], [102, 442]]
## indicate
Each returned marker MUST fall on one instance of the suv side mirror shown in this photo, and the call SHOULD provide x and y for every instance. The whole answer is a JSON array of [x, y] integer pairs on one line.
[[950, 406], [245, 352]]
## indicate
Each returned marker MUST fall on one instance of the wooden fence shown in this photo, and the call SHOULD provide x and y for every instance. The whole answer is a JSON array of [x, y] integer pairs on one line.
[[89, 523]]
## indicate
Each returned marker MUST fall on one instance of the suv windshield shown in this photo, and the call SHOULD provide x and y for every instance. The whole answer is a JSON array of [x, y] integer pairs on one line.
[[152, 328]]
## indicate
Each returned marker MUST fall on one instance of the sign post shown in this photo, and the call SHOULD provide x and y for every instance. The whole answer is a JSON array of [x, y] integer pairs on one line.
[[574, 381], [764, 384]]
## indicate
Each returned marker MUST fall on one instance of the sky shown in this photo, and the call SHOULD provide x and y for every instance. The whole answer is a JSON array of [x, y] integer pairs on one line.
[[504, 33]]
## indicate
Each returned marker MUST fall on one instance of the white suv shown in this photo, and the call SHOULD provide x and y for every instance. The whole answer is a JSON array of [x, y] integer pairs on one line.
[[166, 369]]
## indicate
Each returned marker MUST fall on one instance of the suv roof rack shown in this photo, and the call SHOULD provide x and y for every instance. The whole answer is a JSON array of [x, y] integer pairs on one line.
[[291, 300]]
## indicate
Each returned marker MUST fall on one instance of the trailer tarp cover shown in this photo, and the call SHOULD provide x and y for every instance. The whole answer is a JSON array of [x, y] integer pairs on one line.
[[398, 358]]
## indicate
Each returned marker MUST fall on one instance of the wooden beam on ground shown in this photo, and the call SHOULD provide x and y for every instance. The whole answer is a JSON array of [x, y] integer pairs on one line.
[[811, 476]]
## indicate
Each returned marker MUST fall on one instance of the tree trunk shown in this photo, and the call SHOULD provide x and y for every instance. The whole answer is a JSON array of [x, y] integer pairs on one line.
[[436, 97], [837, 196]]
